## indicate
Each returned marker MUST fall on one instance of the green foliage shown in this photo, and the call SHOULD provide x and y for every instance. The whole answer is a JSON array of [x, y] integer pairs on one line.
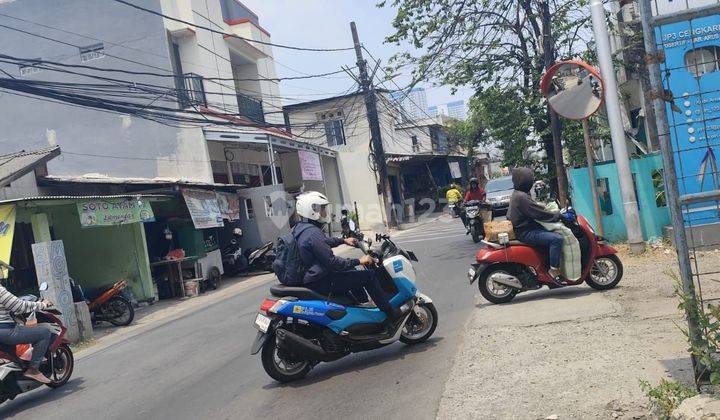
[[667, 396], [705, 346], [495, 47], [574, 142]]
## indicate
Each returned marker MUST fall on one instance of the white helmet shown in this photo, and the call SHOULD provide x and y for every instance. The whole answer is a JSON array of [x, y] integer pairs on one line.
[[310, 204]]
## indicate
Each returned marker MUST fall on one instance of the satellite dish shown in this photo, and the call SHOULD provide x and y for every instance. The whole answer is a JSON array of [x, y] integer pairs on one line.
[[573, 89]]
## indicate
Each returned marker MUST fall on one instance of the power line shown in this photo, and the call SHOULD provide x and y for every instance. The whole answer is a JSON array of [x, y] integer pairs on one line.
[[225, 34], [171, 74]]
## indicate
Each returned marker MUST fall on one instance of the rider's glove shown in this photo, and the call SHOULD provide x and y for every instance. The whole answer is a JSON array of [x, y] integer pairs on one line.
[[568, 216]]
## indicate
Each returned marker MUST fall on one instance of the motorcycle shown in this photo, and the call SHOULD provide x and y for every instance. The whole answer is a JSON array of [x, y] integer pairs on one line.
[[474, 211], [233, 259], [262, 259], [349, 228], [108, 304], [57, 365], [299, 328], [505, 269], [454, 209]]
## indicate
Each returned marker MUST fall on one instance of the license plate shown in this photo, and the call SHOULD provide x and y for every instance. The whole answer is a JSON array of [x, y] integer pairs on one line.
[[262, 322], [471, 275]]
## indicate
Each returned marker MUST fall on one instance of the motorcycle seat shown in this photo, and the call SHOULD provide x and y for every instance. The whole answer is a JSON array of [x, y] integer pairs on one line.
[[303, 293]]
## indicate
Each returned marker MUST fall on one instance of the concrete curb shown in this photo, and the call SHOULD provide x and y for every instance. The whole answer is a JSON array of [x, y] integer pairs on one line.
[[188, 307], [167, 315]]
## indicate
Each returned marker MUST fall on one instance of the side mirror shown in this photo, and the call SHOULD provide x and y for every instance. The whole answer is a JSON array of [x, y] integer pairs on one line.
[[43, 286]]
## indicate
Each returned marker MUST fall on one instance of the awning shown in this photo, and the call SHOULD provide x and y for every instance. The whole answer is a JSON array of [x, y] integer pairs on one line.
[[18, 164]]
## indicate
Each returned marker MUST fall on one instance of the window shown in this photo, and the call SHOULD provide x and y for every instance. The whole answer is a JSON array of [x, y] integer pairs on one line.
[[335, 133], [702, 60], [30, 67], [249, 212], [92, 52], [415, 145], [659, 186], [603, 191]]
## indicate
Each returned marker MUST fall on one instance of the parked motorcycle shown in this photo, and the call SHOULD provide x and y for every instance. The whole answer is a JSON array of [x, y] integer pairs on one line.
[[299, 328], [262, 259], [57, 365], [233, 259], [474, 211], [349, 228], [108, 304], [504, 270]]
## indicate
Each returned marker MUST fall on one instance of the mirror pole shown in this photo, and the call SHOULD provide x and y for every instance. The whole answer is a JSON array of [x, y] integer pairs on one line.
[[591, 175]]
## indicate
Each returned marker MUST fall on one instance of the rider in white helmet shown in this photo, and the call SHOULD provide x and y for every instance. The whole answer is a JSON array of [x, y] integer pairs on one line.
[[326, 272]]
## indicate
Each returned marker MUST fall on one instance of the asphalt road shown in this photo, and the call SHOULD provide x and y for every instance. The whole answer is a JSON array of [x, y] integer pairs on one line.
[[199, 366]]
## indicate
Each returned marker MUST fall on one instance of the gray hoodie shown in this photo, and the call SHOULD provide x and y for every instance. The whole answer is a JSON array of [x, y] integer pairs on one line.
[[523, 210]]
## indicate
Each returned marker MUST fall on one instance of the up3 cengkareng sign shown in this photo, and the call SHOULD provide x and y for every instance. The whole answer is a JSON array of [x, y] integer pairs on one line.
[[114, 211]]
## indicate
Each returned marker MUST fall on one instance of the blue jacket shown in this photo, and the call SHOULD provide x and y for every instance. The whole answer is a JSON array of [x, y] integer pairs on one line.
[[317, 255]]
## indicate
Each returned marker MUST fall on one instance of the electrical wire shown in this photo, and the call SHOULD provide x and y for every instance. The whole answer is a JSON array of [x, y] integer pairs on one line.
[[225, 34]]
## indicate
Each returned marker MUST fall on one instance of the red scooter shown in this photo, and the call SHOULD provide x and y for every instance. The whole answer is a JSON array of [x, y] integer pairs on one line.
[[504, 270], [57, 365]]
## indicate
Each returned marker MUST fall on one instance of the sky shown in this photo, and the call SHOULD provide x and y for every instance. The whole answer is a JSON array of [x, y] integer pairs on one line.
[[326, 24]]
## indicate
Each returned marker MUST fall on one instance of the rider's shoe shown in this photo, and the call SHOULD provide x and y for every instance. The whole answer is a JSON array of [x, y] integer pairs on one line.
[[36, 375]]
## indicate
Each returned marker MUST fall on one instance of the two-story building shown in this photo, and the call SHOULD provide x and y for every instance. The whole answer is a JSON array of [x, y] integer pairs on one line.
[[420, 160], [147, 100]]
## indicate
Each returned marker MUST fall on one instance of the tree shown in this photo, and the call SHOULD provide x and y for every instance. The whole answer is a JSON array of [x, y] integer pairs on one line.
[[492, 44]]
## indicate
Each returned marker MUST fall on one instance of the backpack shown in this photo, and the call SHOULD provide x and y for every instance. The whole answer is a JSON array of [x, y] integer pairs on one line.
[[288, 265]]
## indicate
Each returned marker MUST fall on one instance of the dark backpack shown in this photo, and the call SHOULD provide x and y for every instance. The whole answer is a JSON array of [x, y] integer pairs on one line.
[[288, 265]]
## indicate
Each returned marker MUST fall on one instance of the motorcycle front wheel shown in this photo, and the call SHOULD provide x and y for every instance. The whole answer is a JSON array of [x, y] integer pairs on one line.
[[118, 311], [63, 363], [278, 367], [420, 325], [475, 232]]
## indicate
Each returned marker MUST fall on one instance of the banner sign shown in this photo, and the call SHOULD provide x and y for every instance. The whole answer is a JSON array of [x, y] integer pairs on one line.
[[204, 208], [229, 204], [455, 170], [114, 211], [310, 166], [690, 72], [7, 229]]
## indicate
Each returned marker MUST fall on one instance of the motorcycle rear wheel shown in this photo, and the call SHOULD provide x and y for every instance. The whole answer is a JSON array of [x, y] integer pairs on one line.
[[429, 319], [119, 311], [64, 364], [280, 369], [495, 292]]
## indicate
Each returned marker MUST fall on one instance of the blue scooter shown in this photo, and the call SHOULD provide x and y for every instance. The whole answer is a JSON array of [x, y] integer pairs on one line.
[[299, 328]]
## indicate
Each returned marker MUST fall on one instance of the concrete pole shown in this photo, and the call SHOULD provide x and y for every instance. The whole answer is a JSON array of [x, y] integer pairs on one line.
[[617, 132], [591, 174]]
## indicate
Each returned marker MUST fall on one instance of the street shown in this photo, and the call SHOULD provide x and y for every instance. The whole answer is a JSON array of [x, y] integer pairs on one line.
[[200, 365]]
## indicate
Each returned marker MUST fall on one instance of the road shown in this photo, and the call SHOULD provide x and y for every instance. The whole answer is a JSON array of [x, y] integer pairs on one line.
[[199, 366]]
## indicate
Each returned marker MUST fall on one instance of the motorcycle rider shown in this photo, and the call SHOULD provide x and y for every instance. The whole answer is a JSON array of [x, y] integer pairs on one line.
[[326, 272], [454, 197], [524, 214], [475, 192], [14, 334]]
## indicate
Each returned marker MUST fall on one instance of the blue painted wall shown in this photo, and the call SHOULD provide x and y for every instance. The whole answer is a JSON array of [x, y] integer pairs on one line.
[[653, 215], [694, 115]]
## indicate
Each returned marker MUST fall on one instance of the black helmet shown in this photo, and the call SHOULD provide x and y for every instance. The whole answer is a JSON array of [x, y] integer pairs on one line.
[[474, 181]]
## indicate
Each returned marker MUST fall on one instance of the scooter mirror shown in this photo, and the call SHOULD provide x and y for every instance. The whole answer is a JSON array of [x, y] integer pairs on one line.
[[43, 286]]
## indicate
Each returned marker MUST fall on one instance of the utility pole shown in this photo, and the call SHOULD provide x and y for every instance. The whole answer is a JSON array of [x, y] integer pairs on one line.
[[549, 60], [617, 131], [368, 89]]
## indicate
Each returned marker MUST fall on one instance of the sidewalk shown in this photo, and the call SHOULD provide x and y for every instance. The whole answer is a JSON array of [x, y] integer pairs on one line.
[[575, 352]]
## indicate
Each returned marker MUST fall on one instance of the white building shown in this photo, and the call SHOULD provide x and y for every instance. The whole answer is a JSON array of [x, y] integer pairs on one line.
[[414, 102], [417, 153]]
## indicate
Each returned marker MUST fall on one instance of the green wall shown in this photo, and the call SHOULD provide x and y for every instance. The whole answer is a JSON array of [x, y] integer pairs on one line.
[[100, 256]]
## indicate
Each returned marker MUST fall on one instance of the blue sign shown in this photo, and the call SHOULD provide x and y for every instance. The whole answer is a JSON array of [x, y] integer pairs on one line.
[[691, 72]]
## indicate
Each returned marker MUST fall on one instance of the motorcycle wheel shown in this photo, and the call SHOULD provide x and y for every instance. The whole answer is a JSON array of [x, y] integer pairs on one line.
[[421, 325], [280, 369], [214, 278], [605, 273], [119, 311], [475, 234], [495, 292], [64, 363]]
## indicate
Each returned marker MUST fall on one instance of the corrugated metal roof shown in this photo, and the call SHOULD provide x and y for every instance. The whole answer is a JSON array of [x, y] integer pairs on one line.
[[82, 197], [15, 165], [104, 179]]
